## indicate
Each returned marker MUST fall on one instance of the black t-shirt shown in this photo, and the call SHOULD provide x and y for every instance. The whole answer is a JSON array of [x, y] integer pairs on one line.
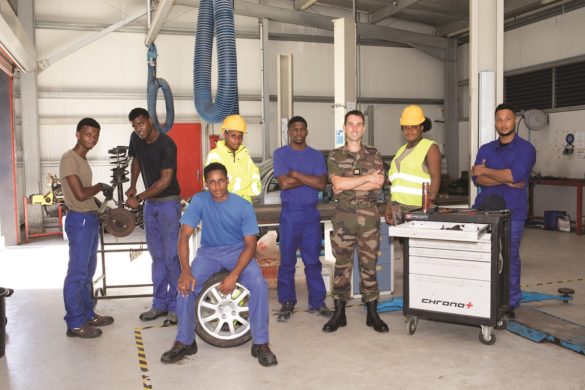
[[161, 154]]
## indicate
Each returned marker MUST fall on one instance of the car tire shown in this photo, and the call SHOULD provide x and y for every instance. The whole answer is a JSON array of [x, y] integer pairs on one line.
[[223, 321]]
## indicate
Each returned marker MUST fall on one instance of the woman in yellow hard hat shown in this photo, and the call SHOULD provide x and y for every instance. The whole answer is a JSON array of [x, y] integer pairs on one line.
[[415, 163]]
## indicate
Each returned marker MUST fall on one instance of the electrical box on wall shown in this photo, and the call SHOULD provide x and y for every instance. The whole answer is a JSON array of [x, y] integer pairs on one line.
[[579, 145]]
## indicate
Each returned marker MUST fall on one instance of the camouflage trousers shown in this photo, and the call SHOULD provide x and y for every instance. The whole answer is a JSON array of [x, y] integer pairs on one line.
[[351, 227]]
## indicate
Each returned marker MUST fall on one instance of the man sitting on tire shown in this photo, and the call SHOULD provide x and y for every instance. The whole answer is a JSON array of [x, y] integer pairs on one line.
[[228, 241]]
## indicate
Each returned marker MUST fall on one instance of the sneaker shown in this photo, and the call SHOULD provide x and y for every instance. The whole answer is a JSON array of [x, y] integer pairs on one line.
[[85, 331], [264, 355], [286, 311], [323, 311], [98, 320], [152, 314], [178, 352], [171, 319]]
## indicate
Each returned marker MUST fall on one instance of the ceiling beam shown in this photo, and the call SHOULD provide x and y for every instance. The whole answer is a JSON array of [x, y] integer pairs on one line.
[[390, 10], [14, 39], [246, 8], [48, 61], [513, 9], [160, 16], [439, 54], [301, 5], [452, 28], [402, 36]]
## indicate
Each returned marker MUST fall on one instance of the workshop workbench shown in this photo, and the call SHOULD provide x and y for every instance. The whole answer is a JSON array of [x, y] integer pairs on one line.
[[270, 214], [563, 182]]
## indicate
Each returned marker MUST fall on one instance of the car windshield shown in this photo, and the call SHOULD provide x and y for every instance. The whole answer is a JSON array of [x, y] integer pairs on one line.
[[265, 167]]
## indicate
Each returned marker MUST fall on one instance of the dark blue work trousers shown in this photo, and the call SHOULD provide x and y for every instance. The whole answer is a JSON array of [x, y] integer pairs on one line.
[[300, 228], [517, 229], [82, 232], [161, 225], [208, 262]]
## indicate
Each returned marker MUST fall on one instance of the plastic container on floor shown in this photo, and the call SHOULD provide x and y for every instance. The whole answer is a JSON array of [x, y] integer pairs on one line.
[[4, 293]]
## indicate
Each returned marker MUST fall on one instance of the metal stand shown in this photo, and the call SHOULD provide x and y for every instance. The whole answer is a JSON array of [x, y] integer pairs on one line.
[[102, 292]]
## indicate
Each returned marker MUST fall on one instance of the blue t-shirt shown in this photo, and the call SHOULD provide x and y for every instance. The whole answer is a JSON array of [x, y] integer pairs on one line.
[[308, 161], [519, 156], [223, 223]]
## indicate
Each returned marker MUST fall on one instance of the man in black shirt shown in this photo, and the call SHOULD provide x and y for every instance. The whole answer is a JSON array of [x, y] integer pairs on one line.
[[154, 154]]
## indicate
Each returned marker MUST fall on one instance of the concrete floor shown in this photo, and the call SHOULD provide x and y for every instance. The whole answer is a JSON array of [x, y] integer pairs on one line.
[[438, 355]]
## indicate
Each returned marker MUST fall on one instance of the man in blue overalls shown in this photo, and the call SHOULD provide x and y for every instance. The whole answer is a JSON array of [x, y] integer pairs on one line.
[[502, 167], [228, 242], [301, 172], [154, 155]]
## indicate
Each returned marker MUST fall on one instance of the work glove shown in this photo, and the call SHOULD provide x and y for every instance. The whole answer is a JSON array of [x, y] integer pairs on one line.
[[107, 191]]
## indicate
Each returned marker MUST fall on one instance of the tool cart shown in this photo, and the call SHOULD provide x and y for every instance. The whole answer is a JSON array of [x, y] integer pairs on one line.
[[456, 267]]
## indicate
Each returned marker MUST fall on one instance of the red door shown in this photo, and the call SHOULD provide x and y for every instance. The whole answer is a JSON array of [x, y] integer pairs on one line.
[[187, 136]]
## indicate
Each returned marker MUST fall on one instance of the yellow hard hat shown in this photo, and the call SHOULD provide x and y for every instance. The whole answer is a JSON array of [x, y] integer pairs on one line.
[[234, 122], [412, 116]]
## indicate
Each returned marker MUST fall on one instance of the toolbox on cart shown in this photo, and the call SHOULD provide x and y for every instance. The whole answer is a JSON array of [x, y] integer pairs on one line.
[[456, 267]]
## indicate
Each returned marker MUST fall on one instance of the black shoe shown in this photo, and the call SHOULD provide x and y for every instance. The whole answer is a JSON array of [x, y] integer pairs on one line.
[[98, 320], [85, 331], [178, 352], [338, 319], [373, 319], [171, 319], [323, 311], [264, 355], [152, 314], [510, 314], [286, 311]]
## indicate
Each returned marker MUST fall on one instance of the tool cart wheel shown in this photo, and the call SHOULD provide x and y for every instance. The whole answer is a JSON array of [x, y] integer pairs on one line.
[[487, 335], [501, 324], [412, 323], [223, 320]]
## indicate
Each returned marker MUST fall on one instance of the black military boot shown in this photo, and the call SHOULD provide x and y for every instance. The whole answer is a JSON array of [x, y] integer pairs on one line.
[[373, 319], [338, 319]]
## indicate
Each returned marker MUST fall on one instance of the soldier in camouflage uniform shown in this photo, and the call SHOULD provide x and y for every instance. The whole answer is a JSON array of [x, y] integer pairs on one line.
[[357, 175]]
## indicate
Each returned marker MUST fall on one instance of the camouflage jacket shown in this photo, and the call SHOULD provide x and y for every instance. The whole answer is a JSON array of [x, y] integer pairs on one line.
[[342, 162]]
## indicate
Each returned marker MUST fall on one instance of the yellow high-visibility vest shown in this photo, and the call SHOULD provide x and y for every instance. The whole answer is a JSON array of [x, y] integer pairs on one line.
[[407, 181]]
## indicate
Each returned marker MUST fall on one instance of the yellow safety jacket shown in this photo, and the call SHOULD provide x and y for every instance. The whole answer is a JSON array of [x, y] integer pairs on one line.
[[407, 174], [243, 174]]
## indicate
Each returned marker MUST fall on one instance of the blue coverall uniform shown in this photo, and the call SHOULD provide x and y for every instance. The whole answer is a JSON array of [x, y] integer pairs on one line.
[[519, 156], [300, 226], [224, 226]]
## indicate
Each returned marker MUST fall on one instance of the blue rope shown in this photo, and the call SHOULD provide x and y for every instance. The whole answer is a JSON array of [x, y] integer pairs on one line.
[[153, 85], [215, 17]]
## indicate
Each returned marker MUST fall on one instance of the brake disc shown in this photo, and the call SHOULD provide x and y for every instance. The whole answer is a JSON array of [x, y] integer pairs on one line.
[[119, 222]]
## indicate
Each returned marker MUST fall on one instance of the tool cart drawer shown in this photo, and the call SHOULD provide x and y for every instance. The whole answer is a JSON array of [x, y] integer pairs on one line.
[[440, 230], [482, 245], [462, 269], [450, 254], [449, 295]]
